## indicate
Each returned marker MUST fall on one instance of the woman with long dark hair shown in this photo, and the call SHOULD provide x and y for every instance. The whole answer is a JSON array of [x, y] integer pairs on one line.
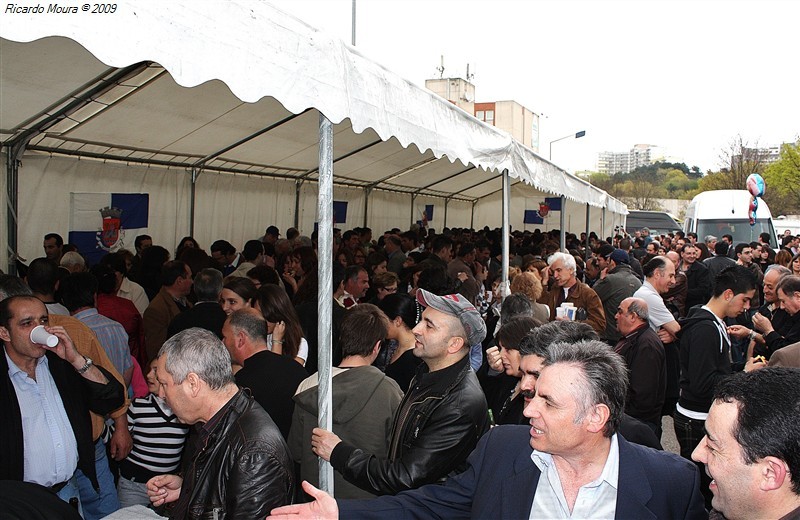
[[404, 313], [301, 275], [508, 404], [237, 293], [284, 334]]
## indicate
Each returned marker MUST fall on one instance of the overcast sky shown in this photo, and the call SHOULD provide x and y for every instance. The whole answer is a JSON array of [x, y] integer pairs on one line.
[[687, 76]]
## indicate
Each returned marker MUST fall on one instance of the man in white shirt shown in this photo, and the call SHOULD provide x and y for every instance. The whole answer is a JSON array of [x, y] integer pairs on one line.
[[571, 463]]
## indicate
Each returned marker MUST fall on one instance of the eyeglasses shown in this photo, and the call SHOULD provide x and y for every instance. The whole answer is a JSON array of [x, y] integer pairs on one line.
[[389, 289]]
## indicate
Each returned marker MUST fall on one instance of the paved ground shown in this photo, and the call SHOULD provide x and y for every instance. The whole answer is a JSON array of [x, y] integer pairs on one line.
[[668, 440]]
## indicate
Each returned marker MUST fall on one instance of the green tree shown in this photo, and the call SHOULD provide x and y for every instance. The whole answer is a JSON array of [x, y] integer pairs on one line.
[[783, 179]]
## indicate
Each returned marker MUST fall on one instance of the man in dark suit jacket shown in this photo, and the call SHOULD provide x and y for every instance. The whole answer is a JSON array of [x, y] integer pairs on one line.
[[511, 474], [206, 313]]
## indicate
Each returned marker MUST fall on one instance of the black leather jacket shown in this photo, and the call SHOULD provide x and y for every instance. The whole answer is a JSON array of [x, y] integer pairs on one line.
[[437, 425], [244, 470]]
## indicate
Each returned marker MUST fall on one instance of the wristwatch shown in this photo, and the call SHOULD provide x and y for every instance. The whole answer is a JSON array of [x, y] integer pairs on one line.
[[85, 367]]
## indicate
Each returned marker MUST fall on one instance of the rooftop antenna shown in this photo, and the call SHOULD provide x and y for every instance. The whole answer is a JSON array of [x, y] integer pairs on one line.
[[469, 76], [440, 68]]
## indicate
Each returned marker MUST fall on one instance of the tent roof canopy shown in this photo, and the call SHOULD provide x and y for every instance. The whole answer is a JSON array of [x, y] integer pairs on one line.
[[177, 84]]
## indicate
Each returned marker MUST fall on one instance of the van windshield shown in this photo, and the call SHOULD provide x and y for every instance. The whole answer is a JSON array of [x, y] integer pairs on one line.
[[741, 229]]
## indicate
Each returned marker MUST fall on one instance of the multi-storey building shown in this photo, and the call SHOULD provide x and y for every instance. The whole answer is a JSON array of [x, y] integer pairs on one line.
[[522, 123]]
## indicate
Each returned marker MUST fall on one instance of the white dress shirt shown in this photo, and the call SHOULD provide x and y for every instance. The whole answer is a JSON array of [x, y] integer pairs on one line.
[[51, 451], [597, 499]]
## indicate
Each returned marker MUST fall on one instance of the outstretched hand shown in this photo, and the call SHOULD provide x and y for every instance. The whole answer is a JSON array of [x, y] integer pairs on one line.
[[323, 507]]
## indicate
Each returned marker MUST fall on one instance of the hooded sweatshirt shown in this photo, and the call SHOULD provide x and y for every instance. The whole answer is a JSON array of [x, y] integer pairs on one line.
[[705, 358], [364, 404]]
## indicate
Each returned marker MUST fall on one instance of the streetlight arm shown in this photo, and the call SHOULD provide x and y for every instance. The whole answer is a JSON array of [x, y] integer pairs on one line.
[[577, 135]]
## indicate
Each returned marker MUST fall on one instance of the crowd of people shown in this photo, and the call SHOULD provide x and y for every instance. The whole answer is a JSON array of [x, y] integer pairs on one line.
[[187, 384]]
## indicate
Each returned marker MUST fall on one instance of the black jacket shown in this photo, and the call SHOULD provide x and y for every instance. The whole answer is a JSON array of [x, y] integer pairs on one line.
[[436, 427], [645, 358], [787, 332], [705, 357], [272, 380], [206, 315], [78, 395], [243, 471], [699, 285]]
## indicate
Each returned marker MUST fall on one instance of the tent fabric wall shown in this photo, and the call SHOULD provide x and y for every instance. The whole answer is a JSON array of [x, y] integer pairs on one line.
[[459, 214], [45, 184], [488, 212], [238, 208]]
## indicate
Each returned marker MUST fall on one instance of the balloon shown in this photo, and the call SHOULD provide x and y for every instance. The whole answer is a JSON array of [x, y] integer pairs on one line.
[[755, 185], [752, 211]]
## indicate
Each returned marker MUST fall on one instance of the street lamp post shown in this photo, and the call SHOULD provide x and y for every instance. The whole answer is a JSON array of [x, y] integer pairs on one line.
[[577, 135]]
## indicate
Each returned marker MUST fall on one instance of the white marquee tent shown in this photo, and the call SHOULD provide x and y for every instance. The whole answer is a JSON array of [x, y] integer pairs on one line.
[[213, 109]]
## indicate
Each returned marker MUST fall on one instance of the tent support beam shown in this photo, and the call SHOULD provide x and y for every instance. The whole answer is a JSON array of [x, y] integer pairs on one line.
[[445, 179], [400, 173], [325, 289], [516, 181], [312, 171], [479, 184], [446, 202], [79, 101], [413, 200], [563, 224], [506, 228], [214, 155]]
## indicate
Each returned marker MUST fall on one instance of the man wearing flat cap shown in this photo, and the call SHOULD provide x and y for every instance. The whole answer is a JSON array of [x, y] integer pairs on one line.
[[441, 417]]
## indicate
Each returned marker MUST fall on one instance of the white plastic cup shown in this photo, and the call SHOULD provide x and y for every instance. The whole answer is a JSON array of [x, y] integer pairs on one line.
[[42, 337]]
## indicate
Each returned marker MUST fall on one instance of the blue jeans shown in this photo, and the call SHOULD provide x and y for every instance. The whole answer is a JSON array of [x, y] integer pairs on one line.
[[71, 491], [98, 505]]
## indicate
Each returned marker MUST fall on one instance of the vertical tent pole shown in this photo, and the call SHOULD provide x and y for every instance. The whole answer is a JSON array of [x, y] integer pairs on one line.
[[506, 226], [194, 174], [444, 224], [325, 289], [588, 249], [367, 192], [297, 185], [13, 155], [603, 226], [563, 224], [472, 216], [413, 200]]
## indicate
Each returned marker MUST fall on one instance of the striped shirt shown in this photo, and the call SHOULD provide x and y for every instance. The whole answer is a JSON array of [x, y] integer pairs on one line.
[[158, 438]]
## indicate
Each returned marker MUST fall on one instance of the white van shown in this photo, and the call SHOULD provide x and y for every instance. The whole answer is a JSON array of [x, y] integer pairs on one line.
[[726, 212]]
